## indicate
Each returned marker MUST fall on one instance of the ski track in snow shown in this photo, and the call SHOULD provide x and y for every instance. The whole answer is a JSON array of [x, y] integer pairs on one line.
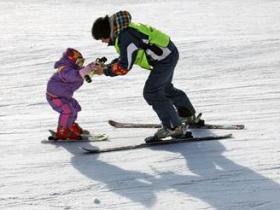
[[229, 67]]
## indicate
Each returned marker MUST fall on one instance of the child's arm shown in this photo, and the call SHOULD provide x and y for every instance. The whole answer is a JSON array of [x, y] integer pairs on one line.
[[73, 75], [87, 70]]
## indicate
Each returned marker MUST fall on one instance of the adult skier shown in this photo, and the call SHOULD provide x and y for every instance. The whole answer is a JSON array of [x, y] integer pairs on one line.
[[153, 50]]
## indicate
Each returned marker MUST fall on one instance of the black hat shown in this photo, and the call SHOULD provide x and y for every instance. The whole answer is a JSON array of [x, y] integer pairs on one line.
[[101, 28]]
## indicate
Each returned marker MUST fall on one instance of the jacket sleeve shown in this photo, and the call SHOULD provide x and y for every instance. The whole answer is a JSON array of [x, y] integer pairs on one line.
[[128, 46], [68, 74]]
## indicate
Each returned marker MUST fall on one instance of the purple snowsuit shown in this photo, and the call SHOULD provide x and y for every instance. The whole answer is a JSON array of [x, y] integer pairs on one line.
[[60, 89]]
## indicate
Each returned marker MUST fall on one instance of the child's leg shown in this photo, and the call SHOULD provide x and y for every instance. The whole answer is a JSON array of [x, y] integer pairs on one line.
[[75, 126], [67, 108], [76, 108]]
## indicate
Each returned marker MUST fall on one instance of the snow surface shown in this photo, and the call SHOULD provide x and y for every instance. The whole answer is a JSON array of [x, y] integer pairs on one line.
[[229, 67]]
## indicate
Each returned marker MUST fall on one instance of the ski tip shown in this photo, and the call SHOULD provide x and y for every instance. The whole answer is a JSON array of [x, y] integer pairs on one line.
[[115, 124], [199, 115], [241, 127], [53, 133], [112, 122], [230, 135]]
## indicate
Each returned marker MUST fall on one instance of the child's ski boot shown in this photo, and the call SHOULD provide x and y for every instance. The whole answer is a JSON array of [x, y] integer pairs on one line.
[[67, 134], [76, 128]]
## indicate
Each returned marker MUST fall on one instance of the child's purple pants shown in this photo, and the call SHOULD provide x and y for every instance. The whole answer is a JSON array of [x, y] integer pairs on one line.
[[67, 108]]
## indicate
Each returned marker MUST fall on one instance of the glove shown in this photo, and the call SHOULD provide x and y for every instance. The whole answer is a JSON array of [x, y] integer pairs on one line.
[[87, 70], [99, 69]]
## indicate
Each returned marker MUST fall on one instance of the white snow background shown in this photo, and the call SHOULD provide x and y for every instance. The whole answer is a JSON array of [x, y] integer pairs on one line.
[[229, 66]]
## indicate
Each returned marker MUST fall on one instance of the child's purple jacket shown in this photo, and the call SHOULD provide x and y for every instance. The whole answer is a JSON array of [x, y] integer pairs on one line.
[[65, 82]]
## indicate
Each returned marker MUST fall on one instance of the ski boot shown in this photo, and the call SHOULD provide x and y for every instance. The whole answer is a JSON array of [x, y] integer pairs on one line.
[[67, 134], [178, 132], [76, 128], [193, 121]]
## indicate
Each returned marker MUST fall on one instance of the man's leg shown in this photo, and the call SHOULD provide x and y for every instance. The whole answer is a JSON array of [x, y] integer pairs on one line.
[[155, 95], [180, 101]]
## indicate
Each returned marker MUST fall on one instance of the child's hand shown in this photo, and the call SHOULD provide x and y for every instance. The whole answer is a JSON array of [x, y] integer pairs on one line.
[[87, 70], [92, 65]]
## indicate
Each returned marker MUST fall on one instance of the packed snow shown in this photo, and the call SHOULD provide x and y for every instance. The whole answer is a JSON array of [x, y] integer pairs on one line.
[[229, 67]]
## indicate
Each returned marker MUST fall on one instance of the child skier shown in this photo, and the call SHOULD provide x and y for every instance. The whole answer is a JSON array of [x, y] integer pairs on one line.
[[61, 86]]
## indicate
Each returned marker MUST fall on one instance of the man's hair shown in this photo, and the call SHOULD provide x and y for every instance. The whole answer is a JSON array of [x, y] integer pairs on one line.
[[101, 28]]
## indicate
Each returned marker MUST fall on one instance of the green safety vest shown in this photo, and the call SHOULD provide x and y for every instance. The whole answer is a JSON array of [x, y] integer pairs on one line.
[[155, 37]]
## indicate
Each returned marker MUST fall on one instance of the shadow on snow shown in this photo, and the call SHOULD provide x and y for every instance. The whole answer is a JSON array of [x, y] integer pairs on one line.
[[217, 180]]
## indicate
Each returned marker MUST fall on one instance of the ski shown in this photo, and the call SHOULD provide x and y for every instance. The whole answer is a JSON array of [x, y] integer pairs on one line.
[[151, 125], [162, 142], [86, 137]]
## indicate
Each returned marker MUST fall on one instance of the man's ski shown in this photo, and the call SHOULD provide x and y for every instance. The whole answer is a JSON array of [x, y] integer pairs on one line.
[[150, 125], [86, 137], [162, 142]]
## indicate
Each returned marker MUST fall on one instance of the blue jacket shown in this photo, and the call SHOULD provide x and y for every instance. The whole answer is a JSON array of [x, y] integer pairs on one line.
[[129, 42]]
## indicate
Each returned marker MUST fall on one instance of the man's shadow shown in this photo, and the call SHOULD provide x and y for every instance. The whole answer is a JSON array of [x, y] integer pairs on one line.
[[217, 180]]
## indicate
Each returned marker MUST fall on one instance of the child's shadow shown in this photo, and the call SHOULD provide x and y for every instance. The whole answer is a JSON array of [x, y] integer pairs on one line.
[[115, 179]]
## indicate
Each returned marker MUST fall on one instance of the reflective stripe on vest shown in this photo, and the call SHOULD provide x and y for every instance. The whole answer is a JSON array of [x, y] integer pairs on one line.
[[155, 37]]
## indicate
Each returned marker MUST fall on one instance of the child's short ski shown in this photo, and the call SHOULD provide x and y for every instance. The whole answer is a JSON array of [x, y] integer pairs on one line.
[[162, 142], [151, 125], [86, 137]]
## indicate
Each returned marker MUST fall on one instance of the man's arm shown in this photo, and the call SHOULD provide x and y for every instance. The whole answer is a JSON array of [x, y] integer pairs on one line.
[[128, 50]]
